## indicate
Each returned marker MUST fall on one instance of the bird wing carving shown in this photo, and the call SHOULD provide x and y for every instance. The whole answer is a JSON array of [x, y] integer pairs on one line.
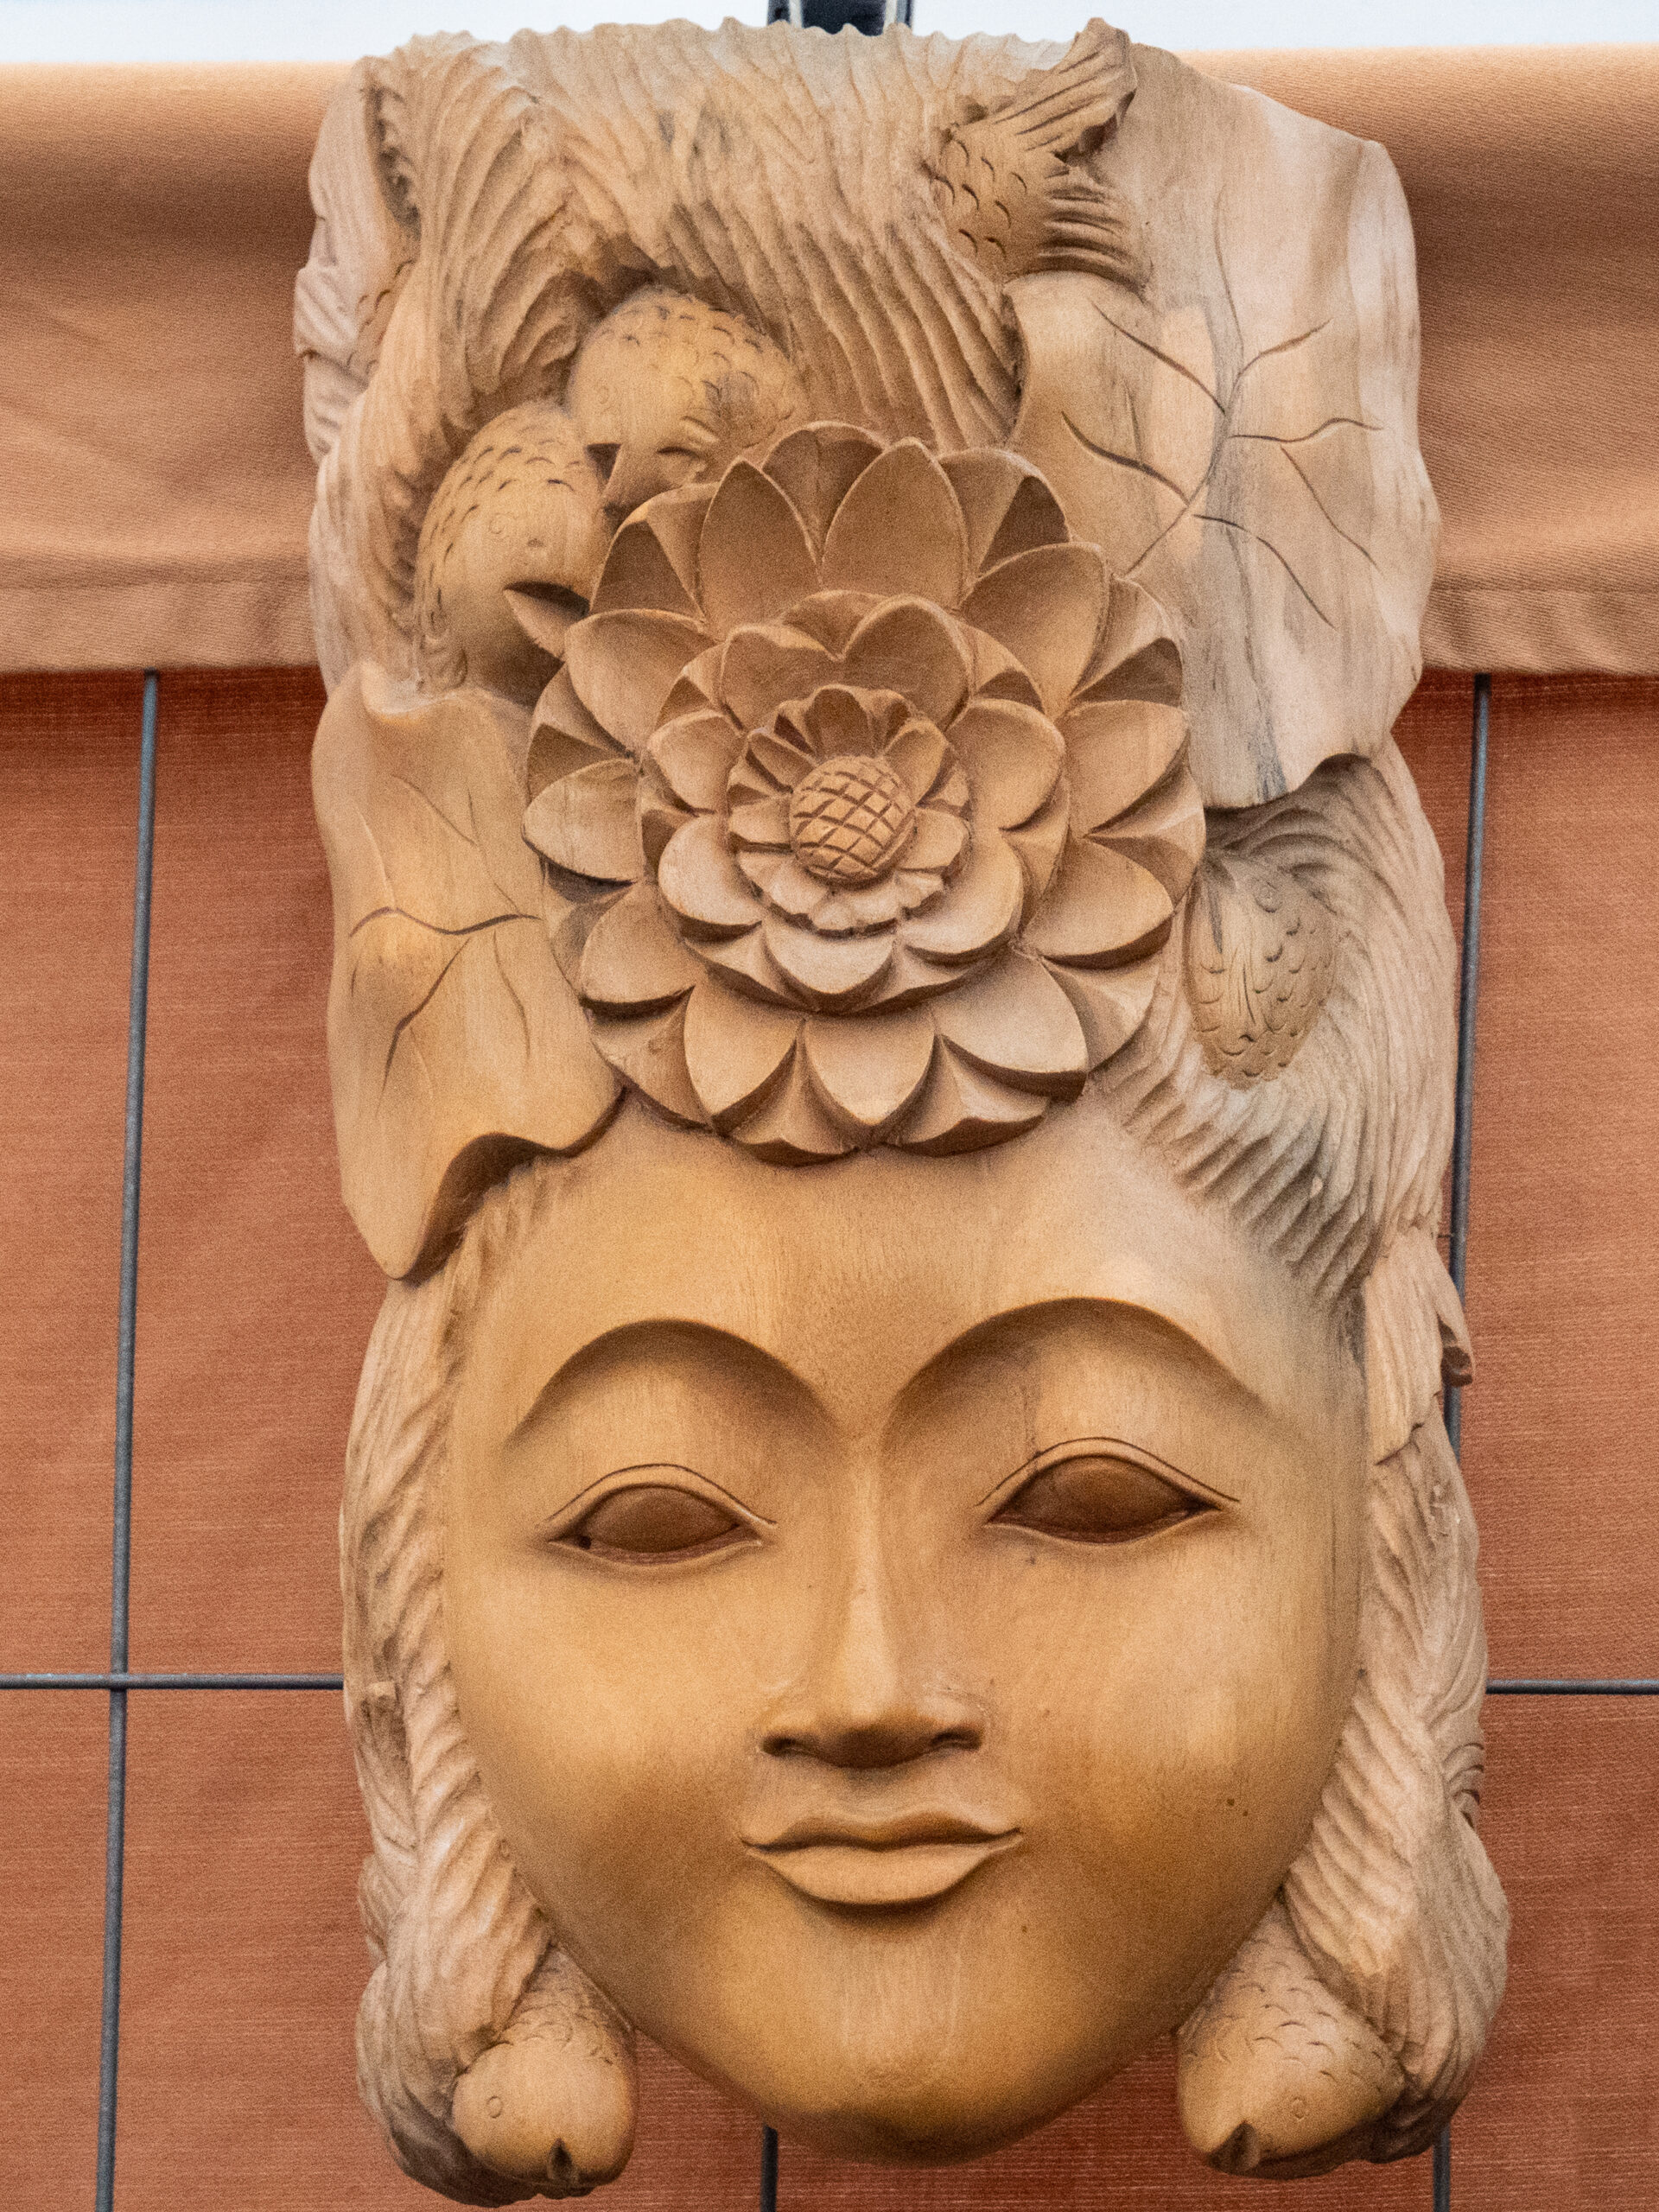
[[1014, 184]]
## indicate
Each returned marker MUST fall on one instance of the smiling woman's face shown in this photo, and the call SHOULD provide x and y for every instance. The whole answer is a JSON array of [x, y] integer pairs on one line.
[[903, 1611]]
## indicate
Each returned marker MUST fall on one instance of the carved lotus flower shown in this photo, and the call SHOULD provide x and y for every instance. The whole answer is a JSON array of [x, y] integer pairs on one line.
[[864, 800]]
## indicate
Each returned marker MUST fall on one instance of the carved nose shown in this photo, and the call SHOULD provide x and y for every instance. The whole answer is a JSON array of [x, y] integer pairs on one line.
[[873, 1694]]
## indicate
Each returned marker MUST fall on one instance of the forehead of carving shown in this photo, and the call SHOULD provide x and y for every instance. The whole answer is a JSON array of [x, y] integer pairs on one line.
[[853, 1278]]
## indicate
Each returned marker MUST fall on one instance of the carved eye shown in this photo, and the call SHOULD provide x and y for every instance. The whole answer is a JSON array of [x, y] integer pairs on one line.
[[655, 1522], [1097, 1497]]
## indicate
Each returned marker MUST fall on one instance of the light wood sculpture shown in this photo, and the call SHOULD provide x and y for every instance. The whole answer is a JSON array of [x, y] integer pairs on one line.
[[893, 1030]]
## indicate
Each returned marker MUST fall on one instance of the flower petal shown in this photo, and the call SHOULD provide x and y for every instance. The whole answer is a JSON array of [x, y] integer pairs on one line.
[[589, 823], [753, 560], [659, 817], [695, 753], [831, 617], [793, 1127], [1110, 1003], [1116, 751], [1039, 842], [1135, 656], [563, 735], [938, 843], [1165, 833], [766, 665], [978, 910], [702, 883], [1045, 606], [761, 867], [745, 962], [1006, 505], [736, 1050], [840, 721], [555, 753], [962, 1110], [633, 958], [646, 567], [866, 906], [995, 673], [768, 754], [649, 1049], [916, 886], [1100, 910], [784, 883], [919, 753], [817, 466], [623, 666], [911, 981], [545, 613], [763, 823], [868, 1067], [697, 686], [899, 530], [1014, 1021], [907, 645], [828, 971], [1012, 756]]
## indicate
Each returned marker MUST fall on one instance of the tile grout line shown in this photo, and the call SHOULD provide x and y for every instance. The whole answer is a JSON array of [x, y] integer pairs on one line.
[[121, 1534]]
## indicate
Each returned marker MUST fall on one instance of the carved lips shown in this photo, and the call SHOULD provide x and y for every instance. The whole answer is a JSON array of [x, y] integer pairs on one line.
[[907, 1859], [863, 791]]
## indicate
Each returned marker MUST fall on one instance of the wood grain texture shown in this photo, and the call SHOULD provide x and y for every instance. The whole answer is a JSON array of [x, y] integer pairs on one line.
[[864, 588]]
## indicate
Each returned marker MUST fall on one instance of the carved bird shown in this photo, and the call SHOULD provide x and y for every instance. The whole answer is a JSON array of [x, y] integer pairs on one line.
[[666, 390], [1014, 183], [835, 217], [1261, 959]]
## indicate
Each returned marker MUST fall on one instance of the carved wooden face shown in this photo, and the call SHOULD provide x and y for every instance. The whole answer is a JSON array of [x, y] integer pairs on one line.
[[903, 1611]]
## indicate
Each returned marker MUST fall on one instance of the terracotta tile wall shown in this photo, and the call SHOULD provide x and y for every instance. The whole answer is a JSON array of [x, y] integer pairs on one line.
[[242, 1956]]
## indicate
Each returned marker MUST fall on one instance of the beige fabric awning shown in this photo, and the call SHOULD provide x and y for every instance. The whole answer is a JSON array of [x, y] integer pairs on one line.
[[155, 485]]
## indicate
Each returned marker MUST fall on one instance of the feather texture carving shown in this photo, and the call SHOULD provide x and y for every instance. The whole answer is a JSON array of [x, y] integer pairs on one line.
[[1016, 186], [1260, 954]]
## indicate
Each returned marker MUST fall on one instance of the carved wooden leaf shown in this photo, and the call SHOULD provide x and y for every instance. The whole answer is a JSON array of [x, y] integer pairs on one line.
[[1241, 442], [454, 1041]]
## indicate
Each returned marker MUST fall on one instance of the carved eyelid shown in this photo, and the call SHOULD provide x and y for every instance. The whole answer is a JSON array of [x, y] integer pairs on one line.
[[1054, 1455], [637, 1476]]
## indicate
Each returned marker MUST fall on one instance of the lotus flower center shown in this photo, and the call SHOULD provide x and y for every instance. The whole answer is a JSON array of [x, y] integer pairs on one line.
[[850, 819]]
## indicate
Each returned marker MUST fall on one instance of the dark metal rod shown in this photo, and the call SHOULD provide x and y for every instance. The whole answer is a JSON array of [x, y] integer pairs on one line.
[[120, 1542], [1519, 1685], [123, 1682], [1463, 1130], [1544, 1686], [1469, 984], [768, 2170], [1462, 1138]]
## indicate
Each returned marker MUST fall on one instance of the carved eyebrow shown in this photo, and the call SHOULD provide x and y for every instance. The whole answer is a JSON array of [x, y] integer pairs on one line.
[[1034, 1319], [717, 1352]]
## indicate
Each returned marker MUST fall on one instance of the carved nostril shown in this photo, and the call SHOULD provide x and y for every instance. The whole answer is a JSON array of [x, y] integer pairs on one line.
[[885, 1741]]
